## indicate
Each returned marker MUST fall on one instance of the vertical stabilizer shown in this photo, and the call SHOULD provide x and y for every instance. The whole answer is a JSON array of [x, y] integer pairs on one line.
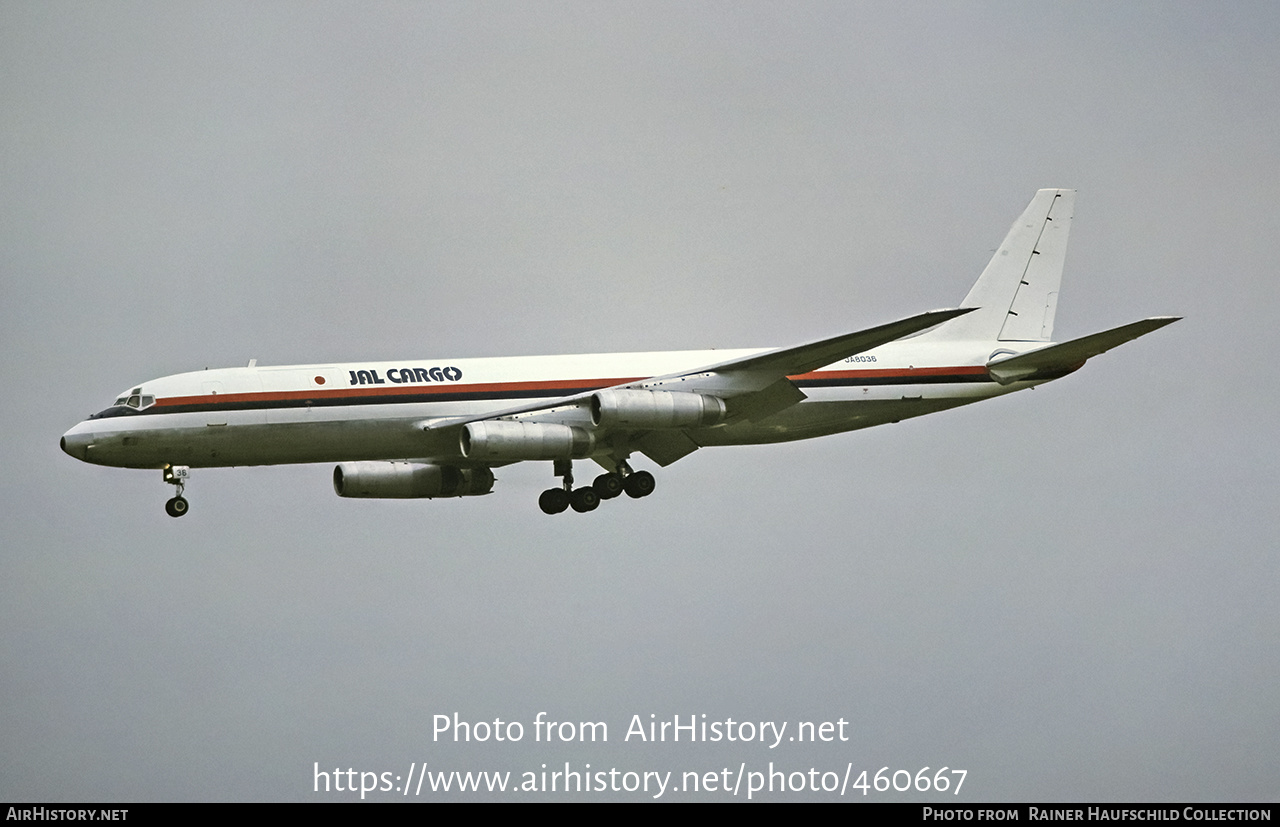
[[1017, 293]]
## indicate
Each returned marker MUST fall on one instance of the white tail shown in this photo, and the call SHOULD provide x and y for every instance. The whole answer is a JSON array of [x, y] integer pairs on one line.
[[1017, 294]]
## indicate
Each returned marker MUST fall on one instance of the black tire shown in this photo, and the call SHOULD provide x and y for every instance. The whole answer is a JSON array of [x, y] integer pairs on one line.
[[640, 484], [584, 500], [553, 500], [608, 486], [176, 507]]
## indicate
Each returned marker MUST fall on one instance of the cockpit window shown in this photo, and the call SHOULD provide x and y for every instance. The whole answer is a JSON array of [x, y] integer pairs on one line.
[[134, 401], [137, 401]]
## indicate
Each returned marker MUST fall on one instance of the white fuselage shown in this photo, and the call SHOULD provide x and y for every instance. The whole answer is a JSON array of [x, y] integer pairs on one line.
[[376, 410], [437, 428]]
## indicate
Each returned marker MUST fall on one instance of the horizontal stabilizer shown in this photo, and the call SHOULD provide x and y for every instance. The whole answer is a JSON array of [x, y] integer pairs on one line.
[[1057, 360]]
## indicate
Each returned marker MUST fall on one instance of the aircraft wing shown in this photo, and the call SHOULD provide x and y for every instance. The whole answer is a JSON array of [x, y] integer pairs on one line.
[[752, 386], [1058, 360], [791, 361]]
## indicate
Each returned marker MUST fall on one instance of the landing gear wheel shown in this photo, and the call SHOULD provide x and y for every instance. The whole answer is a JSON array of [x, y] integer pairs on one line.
[[553, 500], [584, 500], [177, 476], [640, 484], [608, 486]]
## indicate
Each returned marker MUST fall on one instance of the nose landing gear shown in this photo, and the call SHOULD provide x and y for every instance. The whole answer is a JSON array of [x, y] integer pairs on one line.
[[177, 476]]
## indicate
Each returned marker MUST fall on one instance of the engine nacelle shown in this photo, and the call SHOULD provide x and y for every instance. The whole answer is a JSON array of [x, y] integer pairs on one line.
[[502, 441], [655, 409], [409, 480]]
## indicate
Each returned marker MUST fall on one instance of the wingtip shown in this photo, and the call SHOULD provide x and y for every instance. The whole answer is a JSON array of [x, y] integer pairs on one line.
[[950, 312]]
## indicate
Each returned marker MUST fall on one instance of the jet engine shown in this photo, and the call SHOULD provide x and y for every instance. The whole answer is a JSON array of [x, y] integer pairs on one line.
[[407, 480], [511, 441], [655, 409]]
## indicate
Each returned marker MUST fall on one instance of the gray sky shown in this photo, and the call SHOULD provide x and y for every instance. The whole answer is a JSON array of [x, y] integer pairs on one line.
[[1068, 593]]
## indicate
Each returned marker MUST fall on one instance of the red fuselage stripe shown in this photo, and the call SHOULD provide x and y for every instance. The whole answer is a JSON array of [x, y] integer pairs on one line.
[[566, 387]]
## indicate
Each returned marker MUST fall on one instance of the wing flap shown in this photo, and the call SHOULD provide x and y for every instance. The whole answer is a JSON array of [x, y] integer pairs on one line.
[[755, 406], [665, 447]]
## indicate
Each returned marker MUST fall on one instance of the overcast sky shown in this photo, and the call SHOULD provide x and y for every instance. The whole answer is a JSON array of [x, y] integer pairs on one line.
[[1070, 593]]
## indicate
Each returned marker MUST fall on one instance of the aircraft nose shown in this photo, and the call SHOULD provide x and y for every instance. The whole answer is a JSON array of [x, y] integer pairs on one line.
[[75, 443]]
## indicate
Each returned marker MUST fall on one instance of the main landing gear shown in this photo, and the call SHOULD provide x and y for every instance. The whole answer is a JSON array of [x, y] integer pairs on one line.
[[635, 484], [176, 475]]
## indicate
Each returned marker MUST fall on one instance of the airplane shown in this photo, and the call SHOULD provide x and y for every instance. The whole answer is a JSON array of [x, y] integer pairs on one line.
[[438, 427]]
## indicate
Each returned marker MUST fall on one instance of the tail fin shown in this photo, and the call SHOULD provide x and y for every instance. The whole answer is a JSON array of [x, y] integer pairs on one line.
[[1017, 294]]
